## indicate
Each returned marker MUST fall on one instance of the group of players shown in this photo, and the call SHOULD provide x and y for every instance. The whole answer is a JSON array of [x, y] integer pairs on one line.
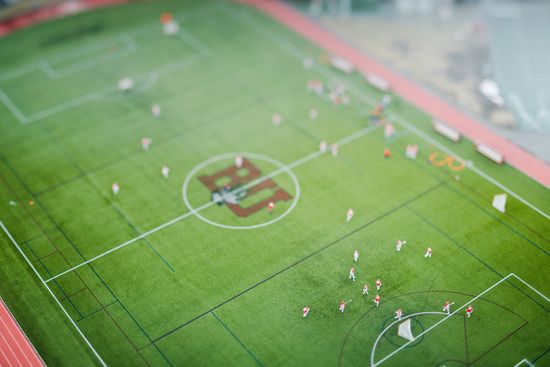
[[337, 96], [378, 283]]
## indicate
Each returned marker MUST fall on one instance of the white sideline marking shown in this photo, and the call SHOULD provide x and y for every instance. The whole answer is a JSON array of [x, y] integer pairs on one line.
[[524, 360], [100, 360], [11, 106], [289, 166], [293, 51], [374, 364]]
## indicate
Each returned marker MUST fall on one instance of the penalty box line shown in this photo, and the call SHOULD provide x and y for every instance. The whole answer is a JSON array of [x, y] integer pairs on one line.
[[200, 49], [374, 364], [348, 139], [96, 354]]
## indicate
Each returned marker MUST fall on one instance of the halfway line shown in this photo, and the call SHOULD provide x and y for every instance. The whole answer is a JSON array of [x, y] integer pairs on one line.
[[278, 171]]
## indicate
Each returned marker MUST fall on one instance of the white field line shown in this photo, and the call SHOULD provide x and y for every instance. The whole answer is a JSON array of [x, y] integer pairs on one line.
[[129, 242], [278, 171], [11, 106], [290, 49], [479, 172], [524, 361], [150, 78], [532, 288], [46, 67], [138, 31], [374, 364], [91, 62], [96, 354]]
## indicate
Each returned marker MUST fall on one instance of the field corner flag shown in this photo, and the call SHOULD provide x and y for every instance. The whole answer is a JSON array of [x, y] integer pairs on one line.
[[499, 202], [404, 330]]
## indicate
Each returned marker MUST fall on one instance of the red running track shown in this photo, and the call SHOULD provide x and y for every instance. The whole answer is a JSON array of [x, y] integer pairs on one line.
[[435, 106], [47, 13], [15, 348]]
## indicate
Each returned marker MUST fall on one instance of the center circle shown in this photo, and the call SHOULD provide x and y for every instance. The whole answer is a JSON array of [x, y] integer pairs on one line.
[[280, 168]]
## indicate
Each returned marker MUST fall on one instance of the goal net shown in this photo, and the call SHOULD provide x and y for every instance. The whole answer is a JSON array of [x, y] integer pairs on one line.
[[404, 330]]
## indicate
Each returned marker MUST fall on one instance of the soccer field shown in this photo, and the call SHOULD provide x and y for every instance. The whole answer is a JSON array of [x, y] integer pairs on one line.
[[162, 275]]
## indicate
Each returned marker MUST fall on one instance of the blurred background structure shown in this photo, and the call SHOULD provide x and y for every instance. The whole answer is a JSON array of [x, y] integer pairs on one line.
[[488, 57]]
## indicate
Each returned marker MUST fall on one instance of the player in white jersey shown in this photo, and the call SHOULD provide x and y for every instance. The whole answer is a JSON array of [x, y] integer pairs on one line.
[[165, 170], [239, 161], [428, 252], [352, 274], [399, 245], [334, 149], [349, 214], [155, 110]]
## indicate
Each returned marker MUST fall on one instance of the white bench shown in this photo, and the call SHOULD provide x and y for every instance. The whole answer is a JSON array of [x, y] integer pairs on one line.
[[490, 153], [377, 82], [446, 131], [342, 64]]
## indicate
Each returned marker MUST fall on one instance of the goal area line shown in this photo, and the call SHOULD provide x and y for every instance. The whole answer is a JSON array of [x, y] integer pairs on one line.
[[374, 363]]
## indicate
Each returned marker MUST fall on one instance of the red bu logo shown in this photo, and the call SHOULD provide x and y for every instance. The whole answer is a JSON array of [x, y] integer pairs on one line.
[[226, 194]]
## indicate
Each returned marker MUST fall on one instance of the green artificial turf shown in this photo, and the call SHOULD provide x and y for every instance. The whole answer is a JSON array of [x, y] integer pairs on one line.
[[192, 293]]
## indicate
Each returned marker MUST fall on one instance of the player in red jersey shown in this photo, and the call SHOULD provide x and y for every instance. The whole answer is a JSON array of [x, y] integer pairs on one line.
[[146, 143], [377, 300], [306, 311], [342, 305], [447, 306], [469, 311], [398, 314], [270, 207]]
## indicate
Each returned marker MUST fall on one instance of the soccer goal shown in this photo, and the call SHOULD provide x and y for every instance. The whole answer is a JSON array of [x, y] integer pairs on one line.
[[509, 307]]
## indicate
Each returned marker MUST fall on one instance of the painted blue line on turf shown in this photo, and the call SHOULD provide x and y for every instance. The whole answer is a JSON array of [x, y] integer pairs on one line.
[[237, 339]]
